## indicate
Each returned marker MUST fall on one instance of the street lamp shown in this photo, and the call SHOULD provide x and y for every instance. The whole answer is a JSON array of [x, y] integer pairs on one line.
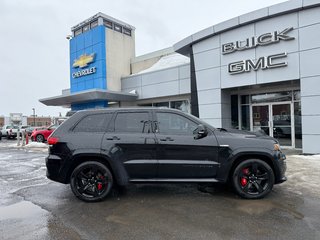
[[34, 116]]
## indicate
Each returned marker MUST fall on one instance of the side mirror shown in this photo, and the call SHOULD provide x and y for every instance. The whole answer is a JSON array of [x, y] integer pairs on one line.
[[200, 132]]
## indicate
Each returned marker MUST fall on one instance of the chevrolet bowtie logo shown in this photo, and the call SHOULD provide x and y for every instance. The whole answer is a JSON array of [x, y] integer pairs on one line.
[[83, 60]]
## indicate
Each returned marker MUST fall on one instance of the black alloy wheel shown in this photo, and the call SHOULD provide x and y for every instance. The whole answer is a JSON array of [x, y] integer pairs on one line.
[[253, 179], [39, 138], [91, 181]]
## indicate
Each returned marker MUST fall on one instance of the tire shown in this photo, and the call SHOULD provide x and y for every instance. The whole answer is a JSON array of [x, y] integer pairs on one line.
[[253, 179], [40, 138], [91, 181]]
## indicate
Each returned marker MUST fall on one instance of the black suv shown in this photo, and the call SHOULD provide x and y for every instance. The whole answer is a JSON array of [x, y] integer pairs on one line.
[[96, 149]]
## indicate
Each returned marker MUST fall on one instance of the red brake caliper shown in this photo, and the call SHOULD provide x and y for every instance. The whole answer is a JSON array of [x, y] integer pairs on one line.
[[243, 180], [100, 186]]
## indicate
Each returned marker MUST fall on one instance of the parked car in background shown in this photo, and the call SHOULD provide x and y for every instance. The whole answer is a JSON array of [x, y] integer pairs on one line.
[[96, 149], [23, 128], [30, 129], [9, 131], [4, 130], [41, 135]]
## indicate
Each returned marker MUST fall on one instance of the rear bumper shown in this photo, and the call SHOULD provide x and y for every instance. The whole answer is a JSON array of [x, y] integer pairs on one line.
[[54, 167], [12, 134]]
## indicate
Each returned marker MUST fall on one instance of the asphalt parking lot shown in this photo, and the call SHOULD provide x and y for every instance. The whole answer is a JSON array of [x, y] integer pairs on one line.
[[33, 207]]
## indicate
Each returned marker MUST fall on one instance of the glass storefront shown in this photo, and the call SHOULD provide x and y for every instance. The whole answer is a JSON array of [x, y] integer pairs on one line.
[[277, 114], [182, 105]]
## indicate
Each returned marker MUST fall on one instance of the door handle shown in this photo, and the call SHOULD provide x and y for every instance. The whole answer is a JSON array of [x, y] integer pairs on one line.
[[113, 138], [166, 139]]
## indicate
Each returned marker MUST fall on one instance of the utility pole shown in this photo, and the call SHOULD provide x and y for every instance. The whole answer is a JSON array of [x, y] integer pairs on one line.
[[34, 116]]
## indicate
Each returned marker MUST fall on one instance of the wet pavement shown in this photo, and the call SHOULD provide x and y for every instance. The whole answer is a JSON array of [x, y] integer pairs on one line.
[[33, 207]]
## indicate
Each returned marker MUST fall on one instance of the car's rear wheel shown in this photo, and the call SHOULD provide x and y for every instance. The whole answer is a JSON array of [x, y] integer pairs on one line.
[[253, 179], [91, 181], [40, 138]]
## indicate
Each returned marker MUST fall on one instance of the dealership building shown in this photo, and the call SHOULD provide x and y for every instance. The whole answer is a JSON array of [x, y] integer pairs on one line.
[[258, 72]]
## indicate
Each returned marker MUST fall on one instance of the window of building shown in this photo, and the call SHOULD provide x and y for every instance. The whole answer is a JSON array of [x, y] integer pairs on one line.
[[245, 117], [182, 105], [94, 24], [174, 124], [77, 32], [245, 112], [93, 123], [245, 99], [234, 112], [296, 95], [86, 28], [127, 31], [146, 105], [137, 122], [272, 97], [117, 28], [161, 104], [107, 24]]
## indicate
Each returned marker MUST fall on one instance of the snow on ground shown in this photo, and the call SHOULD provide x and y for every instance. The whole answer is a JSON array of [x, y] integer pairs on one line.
[[36, 145], [168, 61], [303, 174], [31, 146]]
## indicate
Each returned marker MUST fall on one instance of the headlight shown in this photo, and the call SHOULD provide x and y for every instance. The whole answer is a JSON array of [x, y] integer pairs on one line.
[[276, 147]]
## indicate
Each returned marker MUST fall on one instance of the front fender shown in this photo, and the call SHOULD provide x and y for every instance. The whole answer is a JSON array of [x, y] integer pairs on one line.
[[230, 158]]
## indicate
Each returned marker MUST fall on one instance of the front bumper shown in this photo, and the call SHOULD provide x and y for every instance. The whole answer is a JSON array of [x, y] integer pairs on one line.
[[281, 167]]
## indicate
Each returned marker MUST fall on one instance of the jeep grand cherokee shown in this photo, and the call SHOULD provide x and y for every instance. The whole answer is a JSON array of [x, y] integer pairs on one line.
[[95, 149]]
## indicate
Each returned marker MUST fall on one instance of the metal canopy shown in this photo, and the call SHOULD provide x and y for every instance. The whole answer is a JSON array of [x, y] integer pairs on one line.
[[88, 95]]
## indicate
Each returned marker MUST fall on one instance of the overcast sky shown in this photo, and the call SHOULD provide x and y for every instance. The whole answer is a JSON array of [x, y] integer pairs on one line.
[[34, 60]]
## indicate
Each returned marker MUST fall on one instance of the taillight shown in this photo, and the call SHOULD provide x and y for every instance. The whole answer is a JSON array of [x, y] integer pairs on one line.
[[53, 140]]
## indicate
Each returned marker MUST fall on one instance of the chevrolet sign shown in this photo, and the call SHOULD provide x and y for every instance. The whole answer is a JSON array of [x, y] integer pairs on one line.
[[83, 60], [84, 72]]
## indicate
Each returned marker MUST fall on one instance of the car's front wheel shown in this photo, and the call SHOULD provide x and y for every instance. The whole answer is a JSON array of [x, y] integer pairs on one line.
[[91, 181], [253, 179]]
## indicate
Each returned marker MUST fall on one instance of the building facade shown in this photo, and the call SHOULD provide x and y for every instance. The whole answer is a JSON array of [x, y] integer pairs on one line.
[[256, 72]]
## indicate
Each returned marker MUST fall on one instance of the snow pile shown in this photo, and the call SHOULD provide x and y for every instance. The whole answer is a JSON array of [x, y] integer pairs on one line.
[[168, 61], [36, 145], [308, 157]]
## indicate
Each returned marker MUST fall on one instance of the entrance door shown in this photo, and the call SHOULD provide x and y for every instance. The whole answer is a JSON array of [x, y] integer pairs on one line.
[[275, 120], [261, 118], [281, 123]]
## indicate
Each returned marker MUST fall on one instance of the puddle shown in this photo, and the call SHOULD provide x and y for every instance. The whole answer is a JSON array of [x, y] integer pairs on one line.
[[20, 210], [261, 207]]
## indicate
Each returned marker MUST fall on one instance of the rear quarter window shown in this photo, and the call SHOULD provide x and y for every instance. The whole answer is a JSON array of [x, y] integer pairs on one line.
[[93, 123]]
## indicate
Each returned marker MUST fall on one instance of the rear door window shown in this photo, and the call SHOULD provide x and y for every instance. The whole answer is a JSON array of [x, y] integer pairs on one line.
[[132, 122], [93, 123]]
